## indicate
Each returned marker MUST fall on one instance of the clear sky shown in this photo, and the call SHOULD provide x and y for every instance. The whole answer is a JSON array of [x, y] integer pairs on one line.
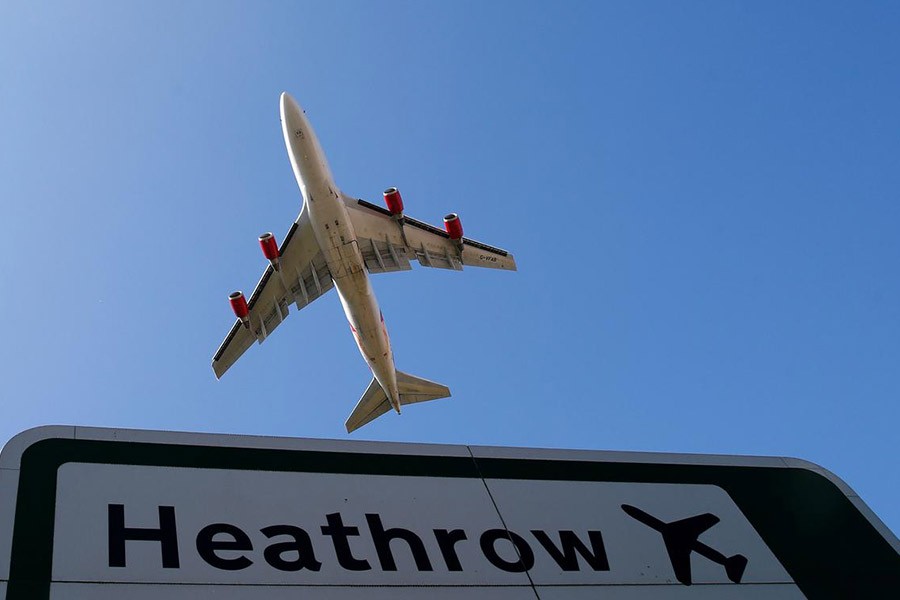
[[702, 198]]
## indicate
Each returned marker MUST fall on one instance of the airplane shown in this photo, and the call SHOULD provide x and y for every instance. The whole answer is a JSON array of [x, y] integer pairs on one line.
[[335, 243], [680, 538]]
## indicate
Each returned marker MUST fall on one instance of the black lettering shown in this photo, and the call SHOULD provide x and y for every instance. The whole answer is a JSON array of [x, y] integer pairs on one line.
[[525, 556], [339, 533], [166, 535], [382, 538], [570, 544], [207, 546], [446, 541], [301, 544]]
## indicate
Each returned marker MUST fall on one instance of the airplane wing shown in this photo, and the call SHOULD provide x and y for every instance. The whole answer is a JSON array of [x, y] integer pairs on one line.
[[679, 537], [388, 247], [680, 557], [302, 277], [688, 530]]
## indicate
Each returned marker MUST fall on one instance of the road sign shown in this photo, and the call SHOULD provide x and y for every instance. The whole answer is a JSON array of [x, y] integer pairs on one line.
[[107, 513]]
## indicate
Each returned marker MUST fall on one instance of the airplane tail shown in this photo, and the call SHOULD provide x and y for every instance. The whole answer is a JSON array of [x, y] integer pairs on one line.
[[374, 401], [734, 567]]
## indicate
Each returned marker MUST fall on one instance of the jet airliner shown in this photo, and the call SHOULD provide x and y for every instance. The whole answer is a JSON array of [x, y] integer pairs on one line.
[[336, 242]]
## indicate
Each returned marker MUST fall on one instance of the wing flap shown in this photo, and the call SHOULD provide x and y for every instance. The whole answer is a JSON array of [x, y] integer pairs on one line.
[[268, 306], [440, 258], [382, 256], [309, 282]]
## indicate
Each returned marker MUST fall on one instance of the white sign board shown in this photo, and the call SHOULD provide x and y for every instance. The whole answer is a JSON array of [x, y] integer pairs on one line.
[[92, 513]]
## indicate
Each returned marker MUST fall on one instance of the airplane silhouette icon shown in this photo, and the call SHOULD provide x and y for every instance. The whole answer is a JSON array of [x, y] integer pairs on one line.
[[680, 538]]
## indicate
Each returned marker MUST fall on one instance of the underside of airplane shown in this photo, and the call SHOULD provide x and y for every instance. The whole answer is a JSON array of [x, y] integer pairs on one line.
[[336, 242]]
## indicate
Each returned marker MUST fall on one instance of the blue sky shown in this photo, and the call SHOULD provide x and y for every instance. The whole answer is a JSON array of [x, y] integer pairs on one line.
[[702, 199]]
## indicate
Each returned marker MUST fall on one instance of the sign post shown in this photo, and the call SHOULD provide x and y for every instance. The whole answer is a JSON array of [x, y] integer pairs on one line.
[[105, 513]]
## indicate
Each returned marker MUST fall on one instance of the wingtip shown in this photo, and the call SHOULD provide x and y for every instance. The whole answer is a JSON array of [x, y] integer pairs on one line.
[[216, 371]]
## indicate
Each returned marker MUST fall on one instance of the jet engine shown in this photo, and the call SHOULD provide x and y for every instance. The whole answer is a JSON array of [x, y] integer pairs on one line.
[[240, 308], [269, 248], [453, 226], [393, 201]]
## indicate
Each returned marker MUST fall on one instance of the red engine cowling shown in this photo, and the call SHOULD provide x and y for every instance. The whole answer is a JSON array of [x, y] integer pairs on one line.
[[453, 226], [269, 245], [393, 201], [239, 306]]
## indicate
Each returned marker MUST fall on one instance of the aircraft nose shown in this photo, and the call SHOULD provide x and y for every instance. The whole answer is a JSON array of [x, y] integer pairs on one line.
[[291, 112]]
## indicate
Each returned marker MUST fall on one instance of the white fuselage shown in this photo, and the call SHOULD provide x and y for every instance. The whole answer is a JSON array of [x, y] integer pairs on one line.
[[336, 238]]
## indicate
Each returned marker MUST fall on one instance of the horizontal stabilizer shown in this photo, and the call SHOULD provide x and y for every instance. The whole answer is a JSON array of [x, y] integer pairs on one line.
[[415, 389], [734, 567], [373, 404], [374, 401]]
